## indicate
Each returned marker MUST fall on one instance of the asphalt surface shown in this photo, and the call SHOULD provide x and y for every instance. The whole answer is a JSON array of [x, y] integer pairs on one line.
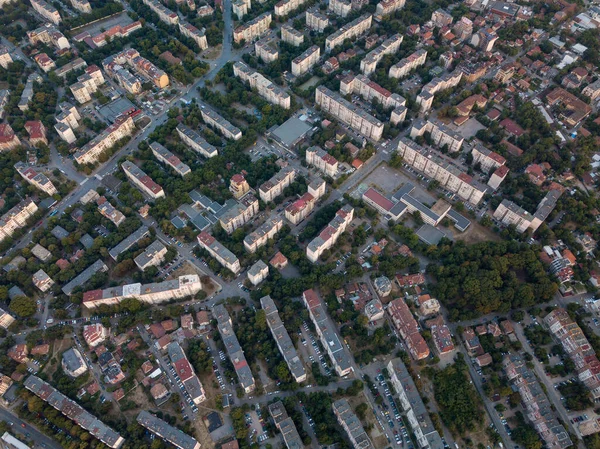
[[19, 431]]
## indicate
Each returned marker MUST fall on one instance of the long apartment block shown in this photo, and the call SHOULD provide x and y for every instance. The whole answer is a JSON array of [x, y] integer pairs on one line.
[[370, 90], [195, 34], [50, 35], [329, 235], [408, 64], [163, 13], [263, 233], [154, 293], [353, 116], [35, 178], [388, 7], [327, 333], [234, 350], [16, 218], [510, 213], [142, 181], [253, 29], [224, 256], [427, 94], [285, 7], [407, 327], [286, 426], [171, 434], [282, 339], [435, 166], [412, 405], [192, 139], [389, 47], [274, 187], [47, 11], [215, 120], [91, 151], [306, 61], [440, 134], [350, 30], [168, 158], [265, 87], [131, 58], [186, 373], [73, 411], [487, 159], [351, 424]]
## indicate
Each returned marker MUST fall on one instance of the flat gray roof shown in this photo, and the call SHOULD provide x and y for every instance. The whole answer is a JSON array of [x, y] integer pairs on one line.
[[291, 131], [129, 241], [84, 276], [430, 235], [460, 222]]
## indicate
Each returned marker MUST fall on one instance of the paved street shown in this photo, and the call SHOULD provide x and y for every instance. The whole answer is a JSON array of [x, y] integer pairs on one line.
[[23, 429]]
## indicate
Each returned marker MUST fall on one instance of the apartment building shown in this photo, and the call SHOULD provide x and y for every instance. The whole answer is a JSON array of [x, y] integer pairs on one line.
[[440, 134], [353, 116], [234, 349], [487, 159], [8, 138], [340, 7], [192, 139], [238, 186], [327, 333], [44, 62], [389, 47], [47, 11], [398, 115], [6, 319], [266, 49], [4, 96], [484, 39], [35, 178], [42, 281], [187, 376], [306, 61], [132, 59], [316, 21], [5, 58], [350, 30], [109, 211], [263, 233], [27, 93], [16, 217], [219, 252], [91, 151], [408, 64], [592, 90], [407, 327], [69, 67], [240, 8], [275, 186], [153, 293], [441, 18], [49, 35], [170, 434], [253, 29], [301, 208], [142, 181], [285, 7], [168, 158], [538, 409], [283, 340], [153, 255], [351, 424], [79, 280], [322, 160], [239, 214], [87, 84], [291, 36], [370, 90], [388, 7], [36, 131], [94, 334], [285, 425], [128, 241], [82, 6], [74, 412], [72, 363], [568, 333], [163, 13], [266, 88], [510, 214], [329, 235], [117, 31], [216, 121], [447, 81], [68, 115], [435, 166], [198, 36], [258, 272], [572, 110], [412, 405]]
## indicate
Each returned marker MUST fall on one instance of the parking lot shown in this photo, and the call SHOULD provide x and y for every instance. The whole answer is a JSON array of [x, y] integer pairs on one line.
[[311, 346]]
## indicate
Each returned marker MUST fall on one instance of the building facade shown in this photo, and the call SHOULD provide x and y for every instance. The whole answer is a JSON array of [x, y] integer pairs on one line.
[[266, 88]]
